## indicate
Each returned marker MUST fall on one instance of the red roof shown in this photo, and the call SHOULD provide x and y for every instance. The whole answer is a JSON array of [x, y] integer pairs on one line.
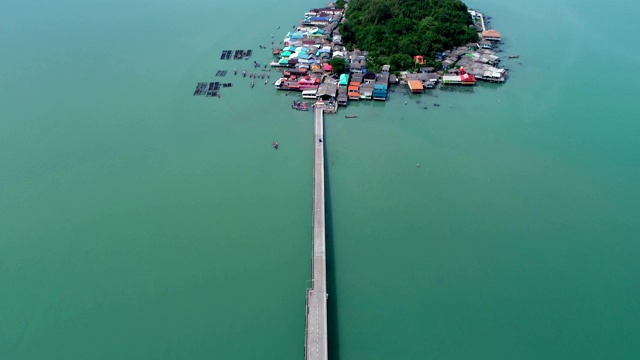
[[467, 78]]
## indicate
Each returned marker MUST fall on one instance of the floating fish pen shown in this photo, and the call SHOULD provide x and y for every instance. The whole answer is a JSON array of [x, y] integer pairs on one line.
[[248, 53], [226, 55], [239, 55], [226, 85], [221, 73], [201, 89], [213, 89]]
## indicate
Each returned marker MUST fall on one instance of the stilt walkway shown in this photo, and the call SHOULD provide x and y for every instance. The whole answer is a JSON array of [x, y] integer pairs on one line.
[[316, 329]]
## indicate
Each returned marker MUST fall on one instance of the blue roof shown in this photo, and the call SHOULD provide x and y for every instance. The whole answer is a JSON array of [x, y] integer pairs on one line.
[[319, 18]]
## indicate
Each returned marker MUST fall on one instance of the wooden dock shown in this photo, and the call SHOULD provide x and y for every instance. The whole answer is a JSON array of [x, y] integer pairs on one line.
[[316, 344]]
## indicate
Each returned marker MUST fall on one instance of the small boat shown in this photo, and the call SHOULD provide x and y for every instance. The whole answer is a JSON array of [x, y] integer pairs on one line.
[[244, 73], [300, 105], [436, 104], [514, 56], [275, 145], [235, 71], [252, 84], [351, 116]]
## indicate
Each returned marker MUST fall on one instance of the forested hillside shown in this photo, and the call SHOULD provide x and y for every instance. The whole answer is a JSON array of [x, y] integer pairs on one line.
[[393, 31]]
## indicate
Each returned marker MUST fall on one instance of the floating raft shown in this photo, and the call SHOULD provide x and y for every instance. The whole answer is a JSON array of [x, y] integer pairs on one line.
[[226, 54], [201, 89], [213, 88], [221, 73], [248, 53]]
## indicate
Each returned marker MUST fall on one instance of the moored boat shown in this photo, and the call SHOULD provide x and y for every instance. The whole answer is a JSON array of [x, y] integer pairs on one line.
[[300, 105], [275, 145]]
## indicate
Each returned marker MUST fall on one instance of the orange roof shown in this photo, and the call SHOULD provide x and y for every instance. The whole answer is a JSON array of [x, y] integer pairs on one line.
[[353, 88], [491, 33], [351, 93], [415, 84]]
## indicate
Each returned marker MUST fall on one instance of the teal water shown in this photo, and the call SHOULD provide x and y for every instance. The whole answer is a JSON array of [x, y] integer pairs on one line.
[[137, 221]]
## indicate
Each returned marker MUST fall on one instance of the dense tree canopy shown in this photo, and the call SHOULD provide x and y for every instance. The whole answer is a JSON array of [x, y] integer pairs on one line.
[[338, 65], [393, 31]]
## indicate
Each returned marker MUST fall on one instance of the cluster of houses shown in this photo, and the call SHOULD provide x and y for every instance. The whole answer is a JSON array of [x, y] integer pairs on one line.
[[464, 65], [309, 48], [305, 59]]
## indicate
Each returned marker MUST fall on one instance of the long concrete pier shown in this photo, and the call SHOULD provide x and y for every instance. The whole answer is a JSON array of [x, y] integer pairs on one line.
[[316, 345]]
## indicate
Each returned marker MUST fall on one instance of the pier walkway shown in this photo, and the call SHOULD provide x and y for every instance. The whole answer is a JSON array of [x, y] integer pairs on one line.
[[316, 323]]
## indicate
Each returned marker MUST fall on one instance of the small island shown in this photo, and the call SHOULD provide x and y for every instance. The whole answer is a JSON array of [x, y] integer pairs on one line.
[[354, 50]]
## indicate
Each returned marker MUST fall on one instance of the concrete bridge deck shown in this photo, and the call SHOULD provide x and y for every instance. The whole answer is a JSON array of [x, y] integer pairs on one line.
[[316, 344]]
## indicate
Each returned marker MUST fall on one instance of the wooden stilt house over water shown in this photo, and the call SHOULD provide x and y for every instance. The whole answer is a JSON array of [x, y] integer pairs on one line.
[[353, 91], [415, 86], [491, 35], [343, 97], [327, 91], [462, 79], [380, 88]]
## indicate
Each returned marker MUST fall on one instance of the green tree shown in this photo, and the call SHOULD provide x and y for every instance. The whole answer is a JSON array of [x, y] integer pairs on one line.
[[406, 28], [340, 4], [339, 65]]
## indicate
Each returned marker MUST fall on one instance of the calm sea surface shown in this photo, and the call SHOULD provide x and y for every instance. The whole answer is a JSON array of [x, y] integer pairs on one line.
[[140, 222]]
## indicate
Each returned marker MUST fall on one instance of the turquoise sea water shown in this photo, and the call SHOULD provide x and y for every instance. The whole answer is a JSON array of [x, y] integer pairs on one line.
[[138, 221]]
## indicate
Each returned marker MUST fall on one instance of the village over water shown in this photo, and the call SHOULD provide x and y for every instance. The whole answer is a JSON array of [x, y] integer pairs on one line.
[[309, 48]]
